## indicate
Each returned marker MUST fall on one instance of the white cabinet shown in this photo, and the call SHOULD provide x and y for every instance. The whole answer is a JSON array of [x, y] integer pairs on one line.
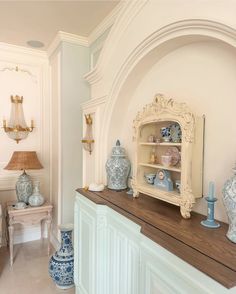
[[112, 256], [107, 254]]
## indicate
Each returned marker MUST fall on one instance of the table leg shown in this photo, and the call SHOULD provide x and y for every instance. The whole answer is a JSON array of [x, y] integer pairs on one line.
[[49, 222], [41, 227], [11, 236]]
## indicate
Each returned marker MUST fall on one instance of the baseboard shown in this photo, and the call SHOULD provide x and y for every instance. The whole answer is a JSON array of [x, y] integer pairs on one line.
[[54, 241]]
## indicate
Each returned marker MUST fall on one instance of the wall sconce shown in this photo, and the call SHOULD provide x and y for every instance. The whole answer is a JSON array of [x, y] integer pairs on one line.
[[88, 138], [17, 128]]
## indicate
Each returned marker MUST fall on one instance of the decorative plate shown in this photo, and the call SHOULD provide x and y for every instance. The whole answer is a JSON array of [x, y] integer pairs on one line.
[[175, 133], [174, 152]]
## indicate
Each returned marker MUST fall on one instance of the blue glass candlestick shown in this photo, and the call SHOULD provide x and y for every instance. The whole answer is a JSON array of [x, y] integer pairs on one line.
[[211, 199]]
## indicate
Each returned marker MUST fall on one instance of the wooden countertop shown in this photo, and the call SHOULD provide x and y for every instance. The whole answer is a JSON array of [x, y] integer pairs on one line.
[[208, 250]]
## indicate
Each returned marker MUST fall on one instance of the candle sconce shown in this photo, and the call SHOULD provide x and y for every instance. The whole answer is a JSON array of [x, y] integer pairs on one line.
[[211, 199], [88, 140], [17, 128]]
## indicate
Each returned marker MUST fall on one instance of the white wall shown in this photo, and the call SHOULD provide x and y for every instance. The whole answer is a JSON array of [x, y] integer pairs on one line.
[[185, 53], [202, 75], [31, 82], [74, 91]]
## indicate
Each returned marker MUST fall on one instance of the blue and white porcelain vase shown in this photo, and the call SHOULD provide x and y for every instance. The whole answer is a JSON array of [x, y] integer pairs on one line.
[[24, 187], [118, 169], [61, 264], [229, 199]]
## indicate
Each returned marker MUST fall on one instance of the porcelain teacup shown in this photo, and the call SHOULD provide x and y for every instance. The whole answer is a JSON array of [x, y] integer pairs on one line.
[[150, 178], [166, 160], [20, 205]]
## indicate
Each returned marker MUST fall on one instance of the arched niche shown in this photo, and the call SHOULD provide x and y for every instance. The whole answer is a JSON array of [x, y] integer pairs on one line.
[[139, 63]]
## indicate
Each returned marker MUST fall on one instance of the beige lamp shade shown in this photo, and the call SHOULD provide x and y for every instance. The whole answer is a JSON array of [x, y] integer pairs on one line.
[[23, 160]]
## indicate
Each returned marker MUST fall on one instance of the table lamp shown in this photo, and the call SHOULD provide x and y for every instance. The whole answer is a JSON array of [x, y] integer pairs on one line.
[[24, 160]]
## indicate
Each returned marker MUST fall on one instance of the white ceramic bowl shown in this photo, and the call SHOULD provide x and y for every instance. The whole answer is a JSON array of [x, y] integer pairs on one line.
[[20, 205]]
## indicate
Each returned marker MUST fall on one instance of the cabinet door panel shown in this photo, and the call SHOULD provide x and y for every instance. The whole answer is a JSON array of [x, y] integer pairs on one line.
[[123, 262], [86, 252]]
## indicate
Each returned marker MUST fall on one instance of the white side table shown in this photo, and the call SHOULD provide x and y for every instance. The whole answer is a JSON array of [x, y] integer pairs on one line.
[[28, 216]]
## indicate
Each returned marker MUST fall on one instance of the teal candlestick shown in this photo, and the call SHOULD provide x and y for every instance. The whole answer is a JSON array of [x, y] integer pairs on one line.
[[211, 190], [211, 199]]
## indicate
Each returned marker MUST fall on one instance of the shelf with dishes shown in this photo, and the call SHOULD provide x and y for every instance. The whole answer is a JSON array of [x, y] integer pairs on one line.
[[168, 154], [160, 179]]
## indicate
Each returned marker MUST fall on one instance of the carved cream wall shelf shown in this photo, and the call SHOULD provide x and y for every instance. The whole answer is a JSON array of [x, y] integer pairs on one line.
[[161, 113]]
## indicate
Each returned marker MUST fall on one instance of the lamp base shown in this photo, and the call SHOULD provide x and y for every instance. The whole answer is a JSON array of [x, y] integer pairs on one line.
[[24, 187]]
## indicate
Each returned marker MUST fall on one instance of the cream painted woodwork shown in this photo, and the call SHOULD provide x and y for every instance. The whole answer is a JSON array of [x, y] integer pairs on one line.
[[161, 113], [112, 256]]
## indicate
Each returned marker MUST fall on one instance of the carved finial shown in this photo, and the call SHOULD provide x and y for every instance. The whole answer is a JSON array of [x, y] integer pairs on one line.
[[118, 143]]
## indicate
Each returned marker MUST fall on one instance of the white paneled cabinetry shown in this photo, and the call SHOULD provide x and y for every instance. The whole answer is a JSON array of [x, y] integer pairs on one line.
[[112, 256]]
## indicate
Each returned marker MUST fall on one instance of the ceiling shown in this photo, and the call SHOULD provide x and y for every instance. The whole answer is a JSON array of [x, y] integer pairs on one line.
[[21, 21]]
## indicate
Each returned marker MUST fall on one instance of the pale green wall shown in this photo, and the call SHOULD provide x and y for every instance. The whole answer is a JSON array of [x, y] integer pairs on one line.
[[74, 91]]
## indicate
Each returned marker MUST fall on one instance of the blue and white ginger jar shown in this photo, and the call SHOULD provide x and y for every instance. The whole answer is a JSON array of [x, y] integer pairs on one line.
[[61, 264], [229, 199], [118, 169], [24, 188]]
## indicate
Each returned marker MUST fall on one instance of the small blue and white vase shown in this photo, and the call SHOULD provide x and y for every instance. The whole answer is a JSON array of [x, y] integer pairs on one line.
[[165, 133], [118, 169], [229, 200], [61, 264]]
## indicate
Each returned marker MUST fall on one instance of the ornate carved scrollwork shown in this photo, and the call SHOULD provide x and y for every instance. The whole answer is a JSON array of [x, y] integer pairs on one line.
[[162, 106]]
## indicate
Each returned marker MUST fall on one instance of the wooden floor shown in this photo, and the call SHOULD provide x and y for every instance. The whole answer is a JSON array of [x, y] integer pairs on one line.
[[29, 273]]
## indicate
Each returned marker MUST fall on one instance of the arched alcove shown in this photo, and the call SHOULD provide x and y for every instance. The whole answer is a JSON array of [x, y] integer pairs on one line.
[[147, 57]]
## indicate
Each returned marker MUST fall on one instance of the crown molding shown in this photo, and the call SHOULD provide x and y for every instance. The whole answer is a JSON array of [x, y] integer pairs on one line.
[[127, 11], [66, 37], [93, 103], [105, 24], [15, 49], [84, 41]]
